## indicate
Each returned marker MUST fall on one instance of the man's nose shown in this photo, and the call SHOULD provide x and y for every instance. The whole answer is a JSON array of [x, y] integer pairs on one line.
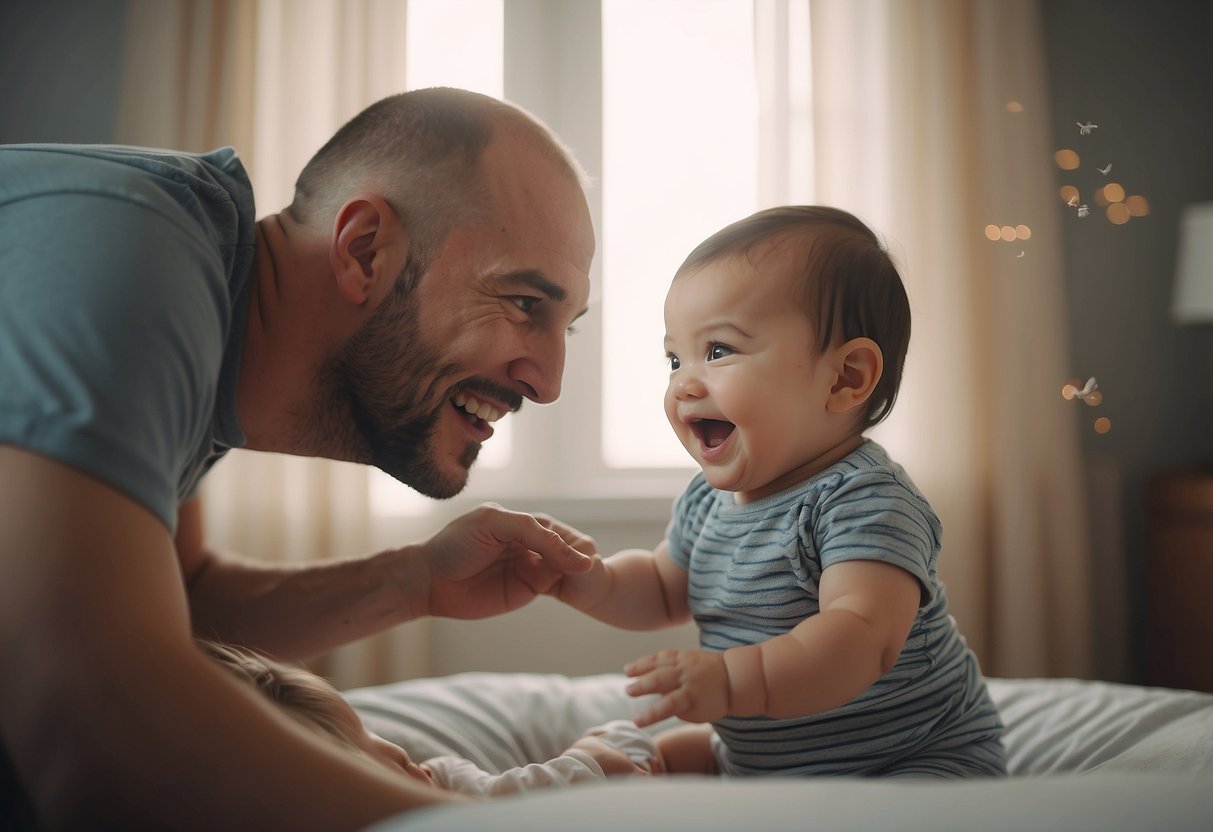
[[540, 371]]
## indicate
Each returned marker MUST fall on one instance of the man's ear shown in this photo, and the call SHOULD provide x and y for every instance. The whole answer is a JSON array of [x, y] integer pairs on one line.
[[368, 249], [859, 365]]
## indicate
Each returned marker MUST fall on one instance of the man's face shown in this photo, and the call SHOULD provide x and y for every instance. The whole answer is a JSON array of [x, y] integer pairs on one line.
[[483, 329]]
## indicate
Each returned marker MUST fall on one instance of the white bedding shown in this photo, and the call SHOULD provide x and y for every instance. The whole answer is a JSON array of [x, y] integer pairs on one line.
[[1082, 755]]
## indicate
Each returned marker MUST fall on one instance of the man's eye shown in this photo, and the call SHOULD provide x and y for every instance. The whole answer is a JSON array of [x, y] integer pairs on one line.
[[718, 351], [673, 361], [524, 302]]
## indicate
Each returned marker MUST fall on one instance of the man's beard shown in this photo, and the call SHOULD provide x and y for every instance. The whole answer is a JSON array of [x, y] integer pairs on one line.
[[377, 374]]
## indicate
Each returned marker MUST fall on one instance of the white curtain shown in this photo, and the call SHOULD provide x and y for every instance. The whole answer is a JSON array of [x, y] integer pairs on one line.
[[914, 130]]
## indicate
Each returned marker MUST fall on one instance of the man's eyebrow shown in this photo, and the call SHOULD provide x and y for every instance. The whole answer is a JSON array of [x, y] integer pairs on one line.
[[535, 280]]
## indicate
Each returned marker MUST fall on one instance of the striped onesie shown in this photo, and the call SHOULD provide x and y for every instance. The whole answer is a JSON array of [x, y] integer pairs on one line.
[[753, 574]]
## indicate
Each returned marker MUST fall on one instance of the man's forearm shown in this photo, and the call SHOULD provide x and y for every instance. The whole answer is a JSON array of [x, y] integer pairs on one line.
[[298, 611]]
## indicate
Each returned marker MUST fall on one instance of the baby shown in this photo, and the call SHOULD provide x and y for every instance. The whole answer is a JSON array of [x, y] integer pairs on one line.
[[614, 749], [806, 555]]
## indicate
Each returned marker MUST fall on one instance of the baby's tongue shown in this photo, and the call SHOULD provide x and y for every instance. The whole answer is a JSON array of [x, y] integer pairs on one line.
[[715, 432]]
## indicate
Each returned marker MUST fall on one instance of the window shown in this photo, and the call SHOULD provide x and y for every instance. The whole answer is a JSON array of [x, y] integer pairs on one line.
[[660, 100]]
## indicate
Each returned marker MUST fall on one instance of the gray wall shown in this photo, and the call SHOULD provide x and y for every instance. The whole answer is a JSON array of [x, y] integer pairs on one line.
[[60, 69], [1144, 73]]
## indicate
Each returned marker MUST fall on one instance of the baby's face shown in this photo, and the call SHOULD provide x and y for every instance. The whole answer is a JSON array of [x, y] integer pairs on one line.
[[389, 754], [748, 388]]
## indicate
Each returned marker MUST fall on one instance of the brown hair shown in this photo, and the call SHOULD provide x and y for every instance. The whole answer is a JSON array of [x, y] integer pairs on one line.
[[851, 288]]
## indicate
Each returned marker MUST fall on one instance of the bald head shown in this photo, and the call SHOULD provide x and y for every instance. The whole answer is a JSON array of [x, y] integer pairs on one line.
[[423, 152]]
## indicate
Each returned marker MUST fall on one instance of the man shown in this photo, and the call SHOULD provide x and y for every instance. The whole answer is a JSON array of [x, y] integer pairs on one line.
[[420, 286]]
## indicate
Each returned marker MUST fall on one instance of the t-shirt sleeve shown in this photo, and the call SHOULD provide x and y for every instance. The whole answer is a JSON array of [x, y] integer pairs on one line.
[[873, 516], [111, 339], [686, 519]]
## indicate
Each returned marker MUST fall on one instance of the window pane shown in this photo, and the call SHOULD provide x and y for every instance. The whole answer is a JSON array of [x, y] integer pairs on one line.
[[456, 43], [679, 148]]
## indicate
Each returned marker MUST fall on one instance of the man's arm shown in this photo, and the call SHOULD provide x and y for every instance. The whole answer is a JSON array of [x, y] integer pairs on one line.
[[111, 717], [487, 562]]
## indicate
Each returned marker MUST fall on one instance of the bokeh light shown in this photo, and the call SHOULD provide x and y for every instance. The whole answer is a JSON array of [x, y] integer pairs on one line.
[[993, 233], [1093, 399], [1137, 205], [1023, 232], [1066, 159], [1118, 213], [1114, 192], [1014, 107], [1101, 199], [1068, 193], [1103, 424], [1008, 233]]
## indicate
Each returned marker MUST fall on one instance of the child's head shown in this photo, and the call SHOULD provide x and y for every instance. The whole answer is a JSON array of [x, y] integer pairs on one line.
[[312, 702], [787, 334]]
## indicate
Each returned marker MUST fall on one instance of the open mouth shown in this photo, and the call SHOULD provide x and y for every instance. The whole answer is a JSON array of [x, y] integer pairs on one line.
[[712, 432], [478, 413]]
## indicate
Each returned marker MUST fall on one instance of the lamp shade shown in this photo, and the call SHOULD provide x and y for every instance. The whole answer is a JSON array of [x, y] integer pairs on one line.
[[1192, 301]]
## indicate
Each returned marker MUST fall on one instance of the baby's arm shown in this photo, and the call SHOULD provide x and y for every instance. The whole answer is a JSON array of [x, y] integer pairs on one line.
[[867, 608], [610, 751], [635, 589]]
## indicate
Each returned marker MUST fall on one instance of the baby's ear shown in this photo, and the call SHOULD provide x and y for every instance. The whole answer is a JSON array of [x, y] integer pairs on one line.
[[859, 364]]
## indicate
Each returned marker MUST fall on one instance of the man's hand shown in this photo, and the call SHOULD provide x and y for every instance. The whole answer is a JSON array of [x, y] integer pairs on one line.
[[694, 684], [491, 561]]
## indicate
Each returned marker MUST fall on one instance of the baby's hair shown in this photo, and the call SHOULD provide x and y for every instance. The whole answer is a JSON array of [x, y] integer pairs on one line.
[[851, 288], [303, 695]]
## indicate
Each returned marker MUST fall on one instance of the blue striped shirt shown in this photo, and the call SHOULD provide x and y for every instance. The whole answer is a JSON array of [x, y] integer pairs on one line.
[[753, 573]]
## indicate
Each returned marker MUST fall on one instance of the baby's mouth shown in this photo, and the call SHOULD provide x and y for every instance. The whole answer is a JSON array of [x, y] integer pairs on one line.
[[712, 432]]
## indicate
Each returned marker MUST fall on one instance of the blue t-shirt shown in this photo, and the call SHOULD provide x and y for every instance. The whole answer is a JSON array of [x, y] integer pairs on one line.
[[754, 571], [124, 281]]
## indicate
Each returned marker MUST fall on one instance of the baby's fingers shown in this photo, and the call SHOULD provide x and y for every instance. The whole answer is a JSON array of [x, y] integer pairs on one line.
[[647, 663], [672, 704], [661, 680]]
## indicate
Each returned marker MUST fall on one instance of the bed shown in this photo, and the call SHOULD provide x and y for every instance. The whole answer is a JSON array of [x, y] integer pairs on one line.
[[1083, 755]]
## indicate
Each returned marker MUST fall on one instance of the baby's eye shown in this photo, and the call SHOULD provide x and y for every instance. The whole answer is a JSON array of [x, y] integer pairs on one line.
[[673, 361], [718, 351], [524, 302]]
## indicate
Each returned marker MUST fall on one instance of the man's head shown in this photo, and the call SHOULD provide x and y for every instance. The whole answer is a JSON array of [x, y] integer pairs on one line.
[[482, 214]]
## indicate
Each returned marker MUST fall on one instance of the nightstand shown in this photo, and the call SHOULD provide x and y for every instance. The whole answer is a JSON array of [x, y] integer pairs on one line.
[[1179, 581]]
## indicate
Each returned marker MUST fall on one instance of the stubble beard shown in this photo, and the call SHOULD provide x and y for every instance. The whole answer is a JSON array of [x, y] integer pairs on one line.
[[372, 386]]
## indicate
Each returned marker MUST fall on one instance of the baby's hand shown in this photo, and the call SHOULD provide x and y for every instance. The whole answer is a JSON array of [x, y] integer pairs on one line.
[[694, 684], [613, 761]]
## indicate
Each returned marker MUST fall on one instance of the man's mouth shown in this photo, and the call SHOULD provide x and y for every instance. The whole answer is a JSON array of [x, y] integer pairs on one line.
[[711, 432], [475, 409]]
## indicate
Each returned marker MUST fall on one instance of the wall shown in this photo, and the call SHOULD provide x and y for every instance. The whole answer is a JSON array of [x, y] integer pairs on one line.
[[60, 68], [1144, 73]]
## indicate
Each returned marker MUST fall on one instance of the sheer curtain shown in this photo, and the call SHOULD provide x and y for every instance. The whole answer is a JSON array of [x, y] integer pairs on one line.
[[275, 79], [915, 131]]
